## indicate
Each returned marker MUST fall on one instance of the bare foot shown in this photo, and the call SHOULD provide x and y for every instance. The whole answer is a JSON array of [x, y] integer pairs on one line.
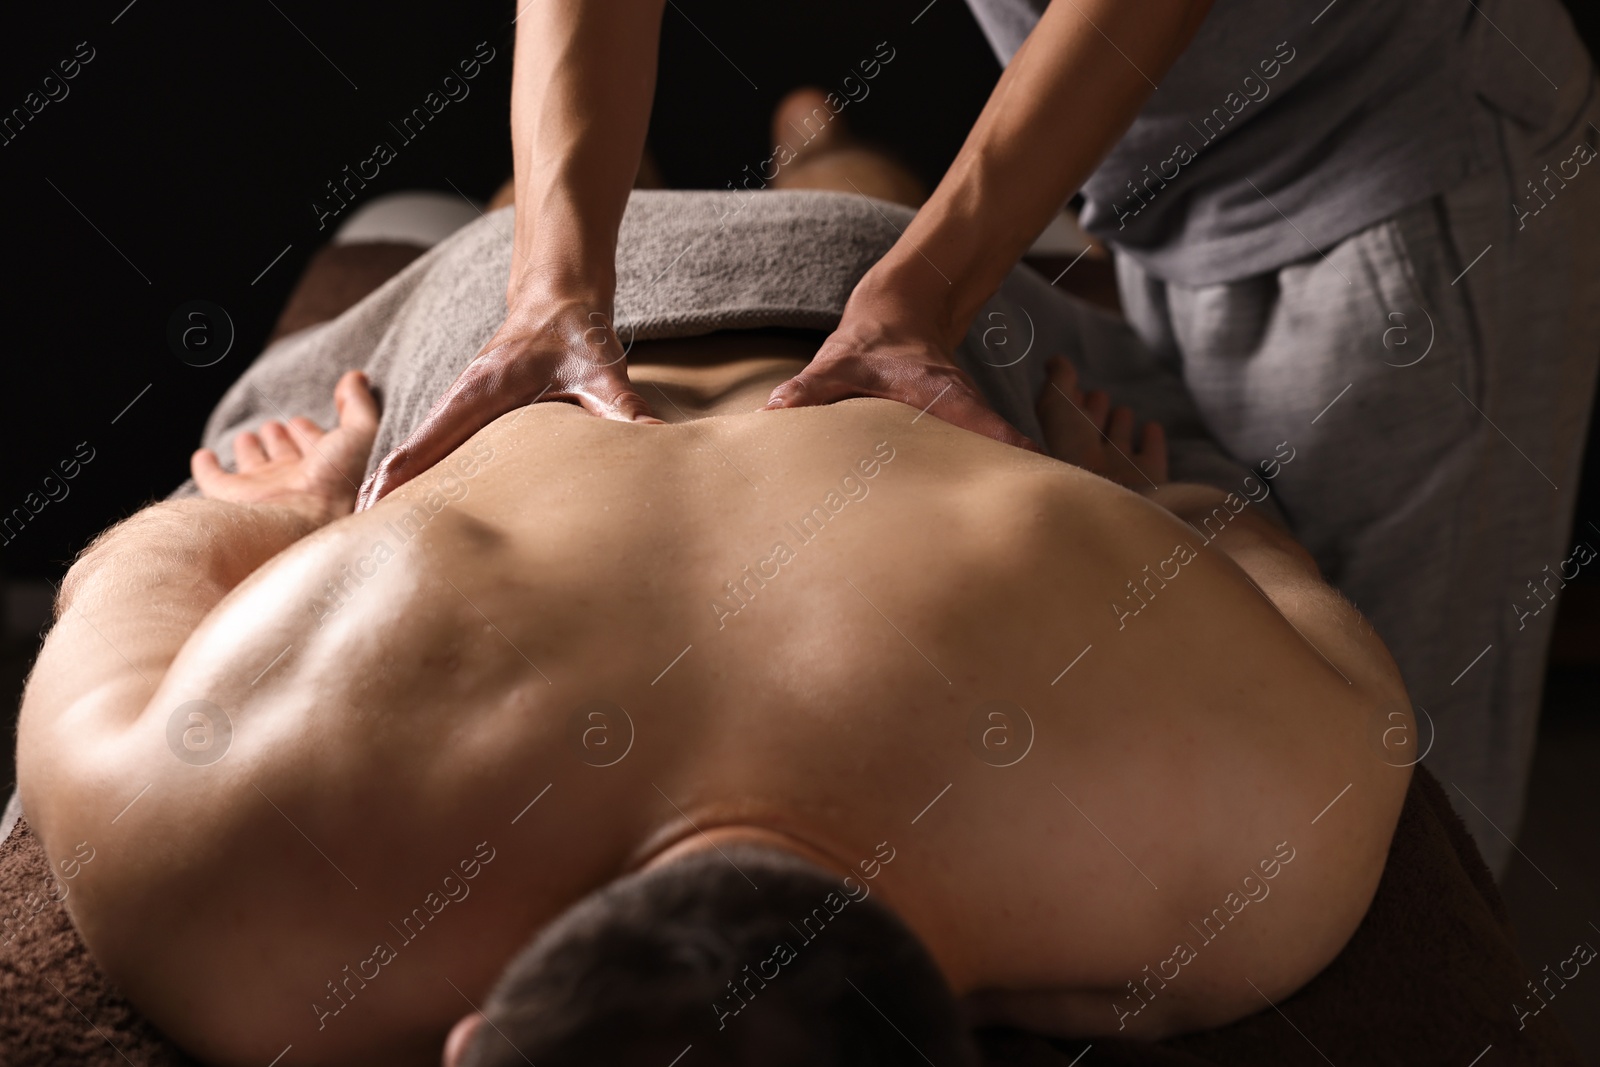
[[804, 121], [1085, 430], [826, 155]]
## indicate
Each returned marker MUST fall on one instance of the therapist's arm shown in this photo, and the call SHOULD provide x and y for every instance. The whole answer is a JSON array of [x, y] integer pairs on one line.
[[1066, 97], [581, 90]]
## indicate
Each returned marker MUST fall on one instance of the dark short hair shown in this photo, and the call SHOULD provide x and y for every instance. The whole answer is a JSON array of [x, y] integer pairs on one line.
[[688, 954]]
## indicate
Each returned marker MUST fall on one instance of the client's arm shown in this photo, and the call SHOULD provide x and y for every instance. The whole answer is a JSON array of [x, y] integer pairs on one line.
[[136, 594]]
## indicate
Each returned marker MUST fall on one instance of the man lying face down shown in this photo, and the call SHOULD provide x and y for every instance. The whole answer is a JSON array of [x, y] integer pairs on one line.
[[798, 736]]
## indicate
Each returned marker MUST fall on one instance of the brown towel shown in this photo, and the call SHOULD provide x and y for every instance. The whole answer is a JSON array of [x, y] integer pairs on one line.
[[55, 1005], [1429, 978]]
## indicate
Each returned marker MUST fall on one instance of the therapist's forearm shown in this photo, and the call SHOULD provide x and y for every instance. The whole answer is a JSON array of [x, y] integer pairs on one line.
[[1066, 97], [581, 91]]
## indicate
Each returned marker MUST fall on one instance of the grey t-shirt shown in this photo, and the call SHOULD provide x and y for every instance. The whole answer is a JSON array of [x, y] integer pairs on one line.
[[1285, 127]]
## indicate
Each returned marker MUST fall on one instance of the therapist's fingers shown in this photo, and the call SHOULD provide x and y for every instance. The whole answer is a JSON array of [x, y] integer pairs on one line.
[[490, 386], [811, 390], [944, 391], [496, 383], [611, 400], [466, 408], [590, 370], [970, 412]]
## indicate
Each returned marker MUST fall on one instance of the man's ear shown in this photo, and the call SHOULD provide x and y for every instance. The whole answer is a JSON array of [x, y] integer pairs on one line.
[[461, 1034]]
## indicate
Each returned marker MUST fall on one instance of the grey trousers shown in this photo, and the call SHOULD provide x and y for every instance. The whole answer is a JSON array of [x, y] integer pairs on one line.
[[1434, 374]]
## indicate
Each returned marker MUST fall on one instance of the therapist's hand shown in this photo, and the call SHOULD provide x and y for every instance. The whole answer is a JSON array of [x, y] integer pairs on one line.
[[1034, 144], [883, 348], [567, 353]]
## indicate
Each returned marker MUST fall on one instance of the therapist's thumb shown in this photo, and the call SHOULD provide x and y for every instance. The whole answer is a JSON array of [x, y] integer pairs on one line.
[[809, 390], [621, 405]]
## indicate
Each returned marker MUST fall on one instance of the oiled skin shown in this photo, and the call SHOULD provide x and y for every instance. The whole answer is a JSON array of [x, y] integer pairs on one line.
[[408, 726]]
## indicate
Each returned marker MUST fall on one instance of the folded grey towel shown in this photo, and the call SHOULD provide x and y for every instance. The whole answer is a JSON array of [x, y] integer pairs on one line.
[[689, 264]]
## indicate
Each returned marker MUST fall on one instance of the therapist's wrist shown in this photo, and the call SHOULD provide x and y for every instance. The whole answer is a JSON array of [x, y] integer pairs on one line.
[[561, 255], [571, 314], [960, 246], [910, 297], [544, 284]]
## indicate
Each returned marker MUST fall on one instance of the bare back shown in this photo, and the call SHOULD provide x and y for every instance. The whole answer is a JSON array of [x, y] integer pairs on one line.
[[578, 642]]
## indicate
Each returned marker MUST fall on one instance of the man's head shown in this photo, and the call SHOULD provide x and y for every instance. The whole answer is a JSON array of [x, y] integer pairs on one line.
[[689, 954]]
